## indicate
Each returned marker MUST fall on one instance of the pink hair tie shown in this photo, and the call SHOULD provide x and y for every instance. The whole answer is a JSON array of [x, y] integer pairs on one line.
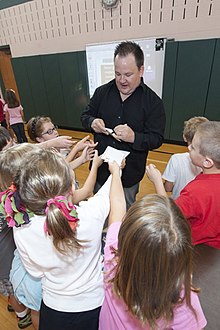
[[67, 209]]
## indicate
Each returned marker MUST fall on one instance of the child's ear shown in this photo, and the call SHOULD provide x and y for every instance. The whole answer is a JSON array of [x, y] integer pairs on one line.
[[208, 162]]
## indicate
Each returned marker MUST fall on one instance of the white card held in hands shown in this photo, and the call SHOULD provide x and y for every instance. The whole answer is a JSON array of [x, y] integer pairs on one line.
[[110, 154]]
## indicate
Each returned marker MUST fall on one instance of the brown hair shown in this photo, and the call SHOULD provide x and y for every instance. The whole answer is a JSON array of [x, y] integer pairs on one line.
[[209, 141], [11, 98], [10, 161], [35, 127], [154, 259], [45, 175], [190, 127], [5, 137]]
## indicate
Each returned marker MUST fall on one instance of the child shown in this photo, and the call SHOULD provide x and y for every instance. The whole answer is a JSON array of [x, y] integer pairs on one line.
[[53, 247], [41, 129], [26, 288], [199, 200], [14, 115], [180, 170], [148, 268], [7, 246]]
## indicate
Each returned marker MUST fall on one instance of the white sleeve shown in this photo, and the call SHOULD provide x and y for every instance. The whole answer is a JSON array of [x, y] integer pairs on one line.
[[98, 206], [170, 172]]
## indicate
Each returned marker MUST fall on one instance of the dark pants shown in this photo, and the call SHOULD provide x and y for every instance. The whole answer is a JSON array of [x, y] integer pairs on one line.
[[51, 319], [19, 132]]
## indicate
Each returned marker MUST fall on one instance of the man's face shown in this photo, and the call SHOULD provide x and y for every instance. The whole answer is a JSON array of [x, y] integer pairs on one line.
[[196, 157], [127, 74]]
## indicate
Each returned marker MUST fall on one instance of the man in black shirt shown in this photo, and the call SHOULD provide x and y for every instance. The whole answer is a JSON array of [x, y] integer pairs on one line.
[[133, 111]]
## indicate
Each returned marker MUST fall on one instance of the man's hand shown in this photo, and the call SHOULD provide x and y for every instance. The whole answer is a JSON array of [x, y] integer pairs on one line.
[[98, 126], [124, 133]]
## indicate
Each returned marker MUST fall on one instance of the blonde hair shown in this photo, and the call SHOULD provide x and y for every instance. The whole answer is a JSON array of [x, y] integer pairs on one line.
[[190, 127], [10, 161], [154, 259], [35, 127], [209, 141], [43, 176]]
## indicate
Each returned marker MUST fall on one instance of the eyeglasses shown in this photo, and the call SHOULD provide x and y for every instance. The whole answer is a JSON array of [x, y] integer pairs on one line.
[[50, 131]]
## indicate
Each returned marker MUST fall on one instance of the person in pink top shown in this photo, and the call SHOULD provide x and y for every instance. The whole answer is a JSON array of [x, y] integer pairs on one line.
[[14, 115], [148, 267]]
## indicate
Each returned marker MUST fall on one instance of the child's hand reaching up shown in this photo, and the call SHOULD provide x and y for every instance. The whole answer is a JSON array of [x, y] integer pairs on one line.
[[114, 168], [155, 176], [85, 142], [153, 173], [96, 159]]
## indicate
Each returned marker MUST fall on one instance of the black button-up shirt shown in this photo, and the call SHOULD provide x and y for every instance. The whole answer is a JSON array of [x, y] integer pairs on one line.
[[142, 111]]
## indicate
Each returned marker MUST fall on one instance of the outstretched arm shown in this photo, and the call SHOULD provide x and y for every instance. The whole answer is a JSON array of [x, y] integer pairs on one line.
[[58, 142], [88, 187], [154, 176], [117, 197], [80, 145]]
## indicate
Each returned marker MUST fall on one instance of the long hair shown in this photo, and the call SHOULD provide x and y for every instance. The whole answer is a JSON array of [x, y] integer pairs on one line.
[[128, 47], [10, 161], [11, 98], [154, 259], [209, 141], [35, 127], [45, 175]]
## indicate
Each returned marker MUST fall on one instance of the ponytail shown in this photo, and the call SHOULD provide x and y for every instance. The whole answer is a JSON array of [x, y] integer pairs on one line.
[[61, 223]]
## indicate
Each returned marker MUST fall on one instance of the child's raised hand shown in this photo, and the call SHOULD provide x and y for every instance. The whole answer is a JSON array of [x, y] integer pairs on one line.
[[96, 159], [114, 167], [87, 154], [153, 173], [85, 142]]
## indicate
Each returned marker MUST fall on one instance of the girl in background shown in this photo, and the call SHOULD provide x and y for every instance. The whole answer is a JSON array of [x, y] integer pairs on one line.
[[14, 115], [61, 243], [41, 129], [148, 268]]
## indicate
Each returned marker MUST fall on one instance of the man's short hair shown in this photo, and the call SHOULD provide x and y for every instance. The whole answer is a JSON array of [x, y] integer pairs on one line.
[[129, 47]]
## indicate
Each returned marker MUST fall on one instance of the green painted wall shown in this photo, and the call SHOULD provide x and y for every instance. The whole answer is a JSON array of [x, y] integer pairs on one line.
[[190, 86], [57, 85], [54, 85]]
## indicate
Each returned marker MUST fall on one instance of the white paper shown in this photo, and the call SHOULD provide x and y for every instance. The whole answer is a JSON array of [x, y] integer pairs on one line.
[[110, 154]]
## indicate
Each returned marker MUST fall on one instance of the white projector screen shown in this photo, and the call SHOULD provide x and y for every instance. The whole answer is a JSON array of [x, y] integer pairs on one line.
[[100, 63]]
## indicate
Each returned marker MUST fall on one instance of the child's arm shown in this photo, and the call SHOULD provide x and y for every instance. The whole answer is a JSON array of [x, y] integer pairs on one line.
[[168, 186], [22, 113], [79, 147], [86, 156], [154, 176], [58, 142], [87, 189], [117, 197], [7, 118]]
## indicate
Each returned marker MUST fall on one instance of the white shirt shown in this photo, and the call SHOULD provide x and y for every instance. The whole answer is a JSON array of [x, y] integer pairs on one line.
[[73, 282], [180, 171]]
